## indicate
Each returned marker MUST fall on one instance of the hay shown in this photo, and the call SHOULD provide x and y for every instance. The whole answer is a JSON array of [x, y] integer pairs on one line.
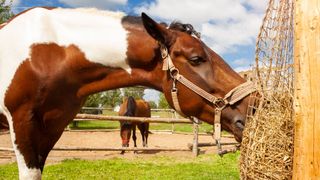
[[267, 145]]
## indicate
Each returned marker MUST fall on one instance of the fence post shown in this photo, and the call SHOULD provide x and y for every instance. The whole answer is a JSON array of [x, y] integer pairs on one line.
[[174, 114], [306, 160], [195, 149]]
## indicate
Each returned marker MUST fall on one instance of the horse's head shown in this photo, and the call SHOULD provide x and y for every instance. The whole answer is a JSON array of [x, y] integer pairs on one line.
[[200, 65], [125, 132]]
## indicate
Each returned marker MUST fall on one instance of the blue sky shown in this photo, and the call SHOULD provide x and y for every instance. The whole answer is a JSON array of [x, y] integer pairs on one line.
[[229, 27]]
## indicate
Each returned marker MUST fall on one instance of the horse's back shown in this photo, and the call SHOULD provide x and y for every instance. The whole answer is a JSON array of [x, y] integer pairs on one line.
[[143, 108]]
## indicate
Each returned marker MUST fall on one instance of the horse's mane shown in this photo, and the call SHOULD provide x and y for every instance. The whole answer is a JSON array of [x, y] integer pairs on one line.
[[187, 28], [175, 25], [131, 106]]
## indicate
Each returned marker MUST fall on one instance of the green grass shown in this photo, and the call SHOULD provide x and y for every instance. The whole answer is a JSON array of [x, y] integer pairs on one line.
[[85, 125], [158, 167]]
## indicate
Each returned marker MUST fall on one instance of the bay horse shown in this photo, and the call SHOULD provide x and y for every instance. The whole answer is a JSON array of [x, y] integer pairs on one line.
[[51, 59], [134, 108]]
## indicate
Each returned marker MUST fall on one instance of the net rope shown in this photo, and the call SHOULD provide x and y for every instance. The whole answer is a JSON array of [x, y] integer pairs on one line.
[[267, 145]]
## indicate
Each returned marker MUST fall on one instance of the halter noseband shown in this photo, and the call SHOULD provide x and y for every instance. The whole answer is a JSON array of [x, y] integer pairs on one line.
[[233, 96]]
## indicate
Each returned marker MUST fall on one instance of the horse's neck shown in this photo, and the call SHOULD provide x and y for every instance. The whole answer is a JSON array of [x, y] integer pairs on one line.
[[118, 78], [146, 68]]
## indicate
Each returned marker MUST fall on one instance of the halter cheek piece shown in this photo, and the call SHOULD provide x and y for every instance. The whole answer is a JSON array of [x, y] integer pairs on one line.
[[233, 96]]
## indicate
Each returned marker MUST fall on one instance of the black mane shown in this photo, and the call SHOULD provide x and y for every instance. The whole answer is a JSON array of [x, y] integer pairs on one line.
[[175, 25], [187, 28]]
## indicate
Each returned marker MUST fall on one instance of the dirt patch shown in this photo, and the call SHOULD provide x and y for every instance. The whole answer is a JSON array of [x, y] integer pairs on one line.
[[112, 139]]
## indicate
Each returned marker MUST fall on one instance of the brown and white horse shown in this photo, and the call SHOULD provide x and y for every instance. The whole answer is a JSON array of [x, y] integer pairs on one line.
[[134, 108], [51, 59]]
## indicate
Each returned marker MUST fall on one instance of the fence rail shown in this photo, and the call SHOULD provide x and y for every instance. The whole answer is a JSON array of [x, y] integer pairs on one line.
[[85, 117]]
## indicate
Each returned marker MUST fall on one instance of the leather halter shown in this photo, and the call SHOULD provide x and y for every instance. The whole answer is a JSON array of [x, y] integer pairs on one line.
[[233, 96]]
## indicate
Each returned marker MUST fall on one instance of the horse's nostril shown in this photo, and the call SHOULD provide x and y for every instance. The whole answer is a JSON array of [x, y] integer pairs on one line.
[[240, 124]]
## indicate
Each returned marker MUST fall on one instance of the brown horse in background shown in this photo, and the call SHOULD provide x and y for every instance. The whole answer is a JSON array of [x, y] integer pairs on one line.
[[136, 108]]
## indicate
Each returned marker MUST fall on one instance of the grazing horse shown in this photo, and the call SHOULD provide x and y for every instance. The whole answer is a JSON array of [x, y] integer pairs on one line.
[[51, 59], [136, 108]]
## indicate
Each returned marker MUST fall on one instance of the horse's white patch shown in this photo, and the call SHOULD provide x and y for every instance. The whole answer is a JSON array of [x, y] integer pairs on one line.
[[30, 174], [25, 173], [98, 34]]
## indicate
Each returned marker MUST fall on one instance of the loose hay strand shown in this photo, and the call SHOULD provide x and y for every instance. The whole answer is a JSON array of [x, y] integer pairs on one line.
[[267, 145]]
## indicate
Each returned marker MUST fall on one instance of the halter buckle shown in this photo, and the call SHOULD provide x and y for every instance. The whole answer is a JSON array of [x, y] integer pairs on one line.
[[220, 103], [164, 51]]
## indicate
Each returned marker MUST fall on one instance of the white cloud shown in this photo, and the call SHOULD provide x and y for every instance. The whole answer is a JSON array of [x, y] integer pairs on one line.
[[151, 95], [224, 24], [14, 7], [100, 4], [240, 62], [14, 2]]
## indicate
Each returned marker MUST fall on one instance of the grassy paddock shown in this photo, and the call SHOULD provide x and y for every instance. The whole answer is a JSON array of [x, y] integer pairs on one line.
[[158, 167]]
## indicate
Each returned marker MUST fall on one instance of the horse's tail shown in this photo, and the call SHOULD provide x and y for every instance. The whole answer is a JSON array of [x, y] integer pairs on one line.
[[131, 106]]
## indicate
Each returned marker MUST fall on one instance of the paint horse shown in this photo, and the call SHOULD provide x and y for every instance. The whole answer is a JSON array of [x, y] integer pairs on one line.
[[136, 108], [51, 59]]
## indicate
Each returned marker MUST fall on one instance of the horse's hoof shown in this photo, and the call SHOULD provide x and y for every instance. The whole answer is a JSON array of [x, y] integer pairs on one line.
[[122, 153]]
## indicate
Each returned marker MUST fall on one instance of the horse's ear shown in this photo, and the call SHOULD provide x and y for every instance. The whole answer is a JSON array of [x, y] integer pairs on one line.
[[157, 31]]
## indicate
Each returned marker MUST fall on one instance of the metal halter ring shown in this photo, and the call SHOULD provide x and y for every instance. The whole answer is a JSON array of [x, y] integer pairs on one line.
[[220, 103], [174, 73]]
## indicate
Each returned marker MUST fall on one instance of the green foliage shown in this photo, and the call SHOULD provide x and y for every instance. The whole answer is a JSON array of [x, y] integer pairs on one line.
[[113, 98], [110, 98], [158, 167], [95, 100], [5, 11], [136, 92], [163, 104], [153, 104]]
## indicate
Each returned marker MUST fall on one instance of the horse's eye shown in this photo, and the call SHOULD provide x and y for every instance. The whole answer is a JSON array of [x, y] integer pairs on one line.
[[196, 60]]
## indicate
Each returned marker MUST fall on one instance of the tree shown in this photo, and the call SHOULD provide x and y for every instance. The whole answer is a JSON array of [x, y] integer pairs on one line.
[[113, 98], [5, 11], [152, 104], [135, 92], [163, 102], [95, 100], [110, 98]]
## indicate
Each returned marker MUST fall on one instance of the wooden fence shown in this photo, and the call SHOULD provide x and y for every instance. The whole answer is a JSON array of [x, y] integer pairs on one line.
[[194, 121], [194, 147]]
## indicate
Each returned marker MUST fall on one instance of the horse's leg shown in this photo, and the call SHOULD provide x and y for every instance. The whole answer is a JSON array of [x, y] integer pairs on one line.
[[34, 132], [22, 137], [134, 137], [146, 133], [142, 129]]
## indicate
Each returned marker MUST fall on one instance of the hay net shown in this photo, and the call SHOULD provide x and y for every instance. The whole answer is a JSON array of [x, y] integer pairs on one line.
[[267, 145]]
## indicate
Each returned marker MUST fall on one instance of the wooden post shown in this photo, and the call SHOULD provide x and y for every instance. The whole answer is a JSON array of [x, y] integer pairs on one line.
[[306, 159], [195, 149]]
